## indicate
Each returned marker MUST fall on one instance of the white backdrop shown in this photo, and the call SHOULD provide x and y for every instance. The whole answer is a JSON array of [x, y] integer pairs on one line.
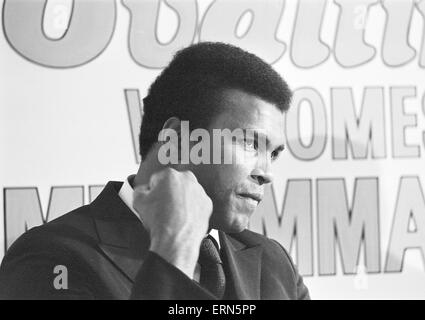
[[348, 198]]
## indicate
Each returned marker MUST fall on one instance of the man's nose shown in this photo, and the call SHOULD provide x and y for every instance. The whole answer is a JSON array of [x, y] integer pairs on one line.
[[261, 176]]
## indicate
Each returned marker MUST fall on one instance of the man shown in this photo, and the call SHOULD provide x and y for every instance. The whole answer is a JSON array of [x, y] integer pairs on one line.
[[176, 230]]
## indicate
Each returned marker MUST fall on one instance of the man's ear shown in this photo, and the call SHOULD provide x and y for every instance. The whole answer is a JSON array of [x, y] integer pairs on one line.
[[172, 124]]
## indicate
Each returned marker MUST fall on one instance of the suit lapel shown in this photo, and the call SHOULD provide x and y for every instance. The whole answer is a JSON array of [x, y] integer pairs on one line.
[[122, 237], [126, 257], [125, 242], [243, 263]]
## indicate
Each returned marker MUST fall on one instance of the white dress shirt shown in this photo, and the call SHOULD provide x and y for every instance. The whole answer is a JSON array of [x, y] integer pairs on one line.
[[127, 196]]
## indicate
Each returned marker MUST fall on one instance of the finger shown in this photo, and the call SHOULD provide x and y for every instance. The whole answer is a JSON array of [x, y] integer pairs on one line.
[[191, 175], [162, 175]]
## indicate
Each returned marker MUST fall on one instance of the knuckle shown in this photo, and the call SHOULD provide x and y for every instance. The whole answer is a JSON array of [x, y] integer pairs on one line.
[[208, 202], [190, 175], [168, 171], [157, 175]]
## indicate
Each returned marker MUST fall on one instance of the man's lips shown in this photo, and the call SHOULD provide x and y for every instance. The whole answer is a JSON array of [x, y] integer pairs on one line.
[[254, 196]]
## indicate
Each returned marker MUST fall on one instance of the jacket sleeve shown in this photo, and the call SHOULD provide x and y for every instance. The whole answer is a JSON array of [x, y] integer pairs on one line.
[[302, 290], [29, 272], [159, 280]]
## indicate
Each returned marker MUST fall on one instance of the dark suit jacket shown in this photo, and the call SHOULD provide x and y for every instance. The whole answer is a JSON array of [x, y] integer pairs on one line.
[[105, 250]]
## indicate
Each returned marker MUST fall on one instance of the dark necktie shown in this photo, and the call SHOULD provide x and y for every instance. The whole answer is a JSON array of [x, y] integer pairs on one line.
[[212, 273]]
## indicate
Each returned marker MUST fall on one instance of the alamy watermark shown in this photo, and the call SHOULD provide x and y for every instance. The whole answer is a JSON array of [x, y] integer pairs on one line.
[[225, 146], [60, 282]]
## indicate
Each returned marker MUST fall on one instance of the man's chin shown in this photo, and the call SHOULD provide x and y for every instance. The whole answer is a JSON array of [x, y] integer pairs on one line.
[[237, 229], [236, 226]]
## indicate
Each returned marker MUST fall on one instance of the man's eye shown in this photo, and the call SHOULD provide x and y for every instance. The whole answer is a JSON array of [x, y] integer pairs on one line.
[[274, 155]]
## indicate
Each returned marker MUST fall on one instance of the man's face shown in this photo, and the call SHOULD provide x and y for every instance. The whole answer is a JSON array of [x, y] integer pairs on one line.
[[235, 188]]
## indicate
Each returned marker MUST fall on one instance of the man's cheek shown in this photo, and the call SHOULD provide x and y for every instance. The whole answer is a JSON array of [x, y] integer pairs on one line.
[[240, 156]]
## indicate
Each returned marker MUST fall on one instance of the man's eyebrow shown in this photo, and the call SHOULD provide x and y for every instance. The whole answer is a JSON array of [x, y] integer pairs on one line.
[[259, 133]]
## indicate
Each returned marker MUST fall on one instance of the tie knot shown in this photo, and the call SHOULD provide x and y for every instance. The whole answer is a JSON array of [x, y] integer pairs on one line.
[[209, 251]]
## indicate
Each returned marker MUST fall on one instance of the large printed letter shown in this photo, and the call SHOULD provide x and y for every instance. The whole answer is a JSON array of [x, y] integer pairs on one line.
[[351, 50], [135, 116], [410, 205], [358, 132], [294, 223], [145, 47], [90, 29], [23, 208], [402, 120], [396, 49], [293, 119], [350, 227], [421, 7], [223, 17], [307, 49]]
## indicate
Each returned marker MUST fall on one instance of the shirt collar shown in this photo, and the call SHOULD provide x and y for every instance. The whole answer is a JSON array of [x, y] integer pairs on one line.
[[126, 195]]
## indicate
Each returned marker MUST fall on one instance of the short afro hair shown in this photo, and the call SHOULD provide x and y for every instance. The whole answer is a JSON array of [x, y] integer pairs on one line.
[[189, 87]]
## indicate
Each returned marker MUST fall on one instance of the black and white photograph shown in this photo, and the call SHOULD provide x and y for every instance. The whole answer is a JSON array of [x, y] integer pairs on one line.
[[212, 150]]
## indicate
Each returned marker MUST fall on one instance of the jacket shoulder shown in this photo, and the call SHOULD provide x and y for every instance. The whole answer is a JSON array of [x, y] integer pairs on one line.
[[278, 264], [63, 233], [276, 258], [271, 246]]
